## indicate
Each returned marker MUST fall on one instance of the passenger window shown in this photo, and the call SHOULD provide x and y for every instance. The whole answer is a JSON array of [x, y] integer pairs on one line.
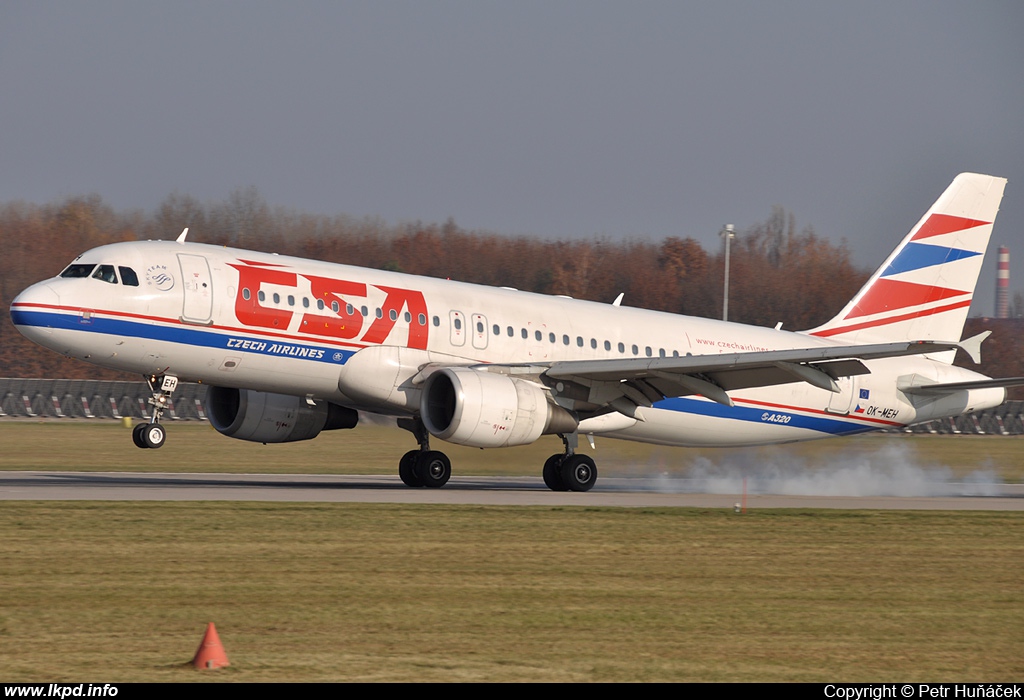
[[73, 271], [408, 317], [636, 350], [305, 302], [349, 309], [277, 298], [422, 319], [607, 345], [320, 304], [291, 300], [496, 329], [511, 332], [437, 321], [648, 350], [551, 337], [458, 324], [364, 311], [379, 313], [661, 352], [622, 347], [479, 326], [335, 306], [261, 295], [565, 340], [246, 294], [524, 333], [393, 315], [105, 273], [593, 343], [538, 335], [128, 276], [579, 341]]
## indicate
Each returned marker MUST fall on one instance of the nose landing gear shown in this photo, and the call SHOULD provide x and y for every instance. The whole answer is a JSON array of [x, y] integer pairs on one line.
[[153, 435]]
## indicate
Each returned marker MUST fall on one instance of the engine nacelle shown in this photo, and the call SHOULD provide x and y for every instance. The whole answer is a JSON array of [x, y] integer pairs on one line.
[[263, 417], [483, 409]]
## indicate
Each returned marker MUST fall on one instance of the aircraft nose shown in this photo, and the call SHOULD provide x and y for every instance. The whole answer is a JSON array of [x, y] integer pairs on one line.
[[28, 308], [38, 295]]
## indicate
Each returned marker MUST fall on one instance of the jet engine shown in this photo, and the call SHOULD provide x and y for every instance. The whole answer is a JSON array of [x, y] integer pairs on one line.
[[483, 409], [263, 417]]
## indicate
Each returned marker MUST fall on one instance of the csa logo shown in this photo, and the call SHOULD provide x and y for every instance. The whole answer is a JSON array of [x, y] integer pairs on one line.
[[158, 276]]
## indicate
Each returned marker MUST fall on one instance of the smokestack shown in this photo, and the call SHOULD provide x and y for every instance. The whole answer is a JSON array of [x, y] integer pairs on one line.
[[1003, 284]]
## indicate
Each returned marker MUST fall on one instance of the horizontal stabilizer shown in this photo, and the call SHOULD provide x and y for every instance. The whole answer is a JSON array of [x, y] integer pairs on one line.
[[972, 346]]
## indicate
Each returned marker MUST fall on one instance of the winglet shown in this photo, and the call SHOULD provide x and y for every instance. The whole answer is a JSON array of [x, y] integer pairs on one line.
[[181, 238], [972, 346]]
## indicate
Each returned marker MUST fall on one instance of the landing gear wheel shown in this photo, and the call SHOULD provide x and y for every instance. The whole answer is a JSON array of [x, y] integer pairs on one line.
[[553, 473], [137, 435], [407, 469], [433, 469], [579, 473], [154, 435]]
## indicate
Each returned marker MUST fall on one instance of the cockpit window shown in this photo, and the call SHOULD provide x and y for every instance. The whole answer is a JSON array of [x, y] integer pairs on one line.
[[105, 273], [128, 276], [78, 270]]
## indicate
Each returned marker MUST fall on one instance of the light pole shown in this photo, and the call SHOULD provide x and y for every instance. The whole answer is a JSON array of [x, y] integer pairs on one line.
[[728, 233]]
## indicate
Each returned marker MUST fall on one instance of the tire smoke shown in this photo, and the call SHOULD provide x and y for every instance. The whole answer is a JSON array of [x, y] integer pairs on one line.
[[891, 470]]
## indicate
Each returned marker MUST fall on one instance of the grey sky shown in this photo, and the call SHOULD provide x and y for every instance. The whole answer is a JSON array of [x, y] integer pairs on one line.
[[552, 119]]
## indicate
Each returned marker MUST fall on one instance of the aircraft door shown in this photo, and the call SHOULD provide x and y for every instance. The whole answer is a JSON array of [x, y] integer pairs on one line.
[[197, 306], [479, 331], [458, 328], [840, 403]]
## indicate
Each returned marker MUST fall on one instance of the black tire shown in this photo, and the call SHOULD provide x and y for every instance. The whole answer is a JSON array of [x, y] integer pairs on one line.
[[579, 473], [154, 435], [553, 473], [137, 435], [433, 469], [407, 469]]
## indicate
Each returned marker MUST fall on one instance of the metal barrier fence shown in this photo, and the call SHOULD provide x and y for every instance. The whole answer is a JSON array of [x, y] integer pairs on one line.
[[88, 398]]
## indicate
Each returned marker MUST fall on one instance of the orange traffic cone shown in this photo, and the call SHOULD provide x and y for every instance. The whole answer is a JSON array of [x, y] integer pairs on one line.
[[210, 653]]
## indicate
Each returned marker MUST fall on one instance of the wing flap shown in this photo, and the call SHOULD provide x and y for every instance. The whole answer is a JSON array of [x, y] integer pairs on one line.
[[939, 389]]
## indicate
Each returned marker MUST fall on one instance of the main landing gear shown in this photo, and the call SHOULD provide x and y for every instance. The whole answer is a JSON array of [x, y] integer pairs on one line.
[[566, 471], [423, 467], [570, 471], [153, 435]]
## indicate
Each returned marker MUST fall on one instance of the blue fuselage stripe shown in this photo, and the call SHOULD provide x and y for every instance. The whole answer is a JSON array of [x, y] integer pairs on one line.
[[183, 335], [759, 415]]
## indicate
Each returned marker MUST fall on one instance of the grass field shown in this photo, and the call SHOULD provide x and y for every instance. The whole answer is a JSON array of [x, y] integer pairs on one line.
[[331, 592], [196, 447], [116, 592]]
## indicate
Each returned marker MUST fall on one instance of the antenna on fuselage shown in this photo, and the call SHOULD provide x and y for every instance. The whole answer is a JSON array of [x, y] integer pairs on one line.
[[618, 299], [181, 238]]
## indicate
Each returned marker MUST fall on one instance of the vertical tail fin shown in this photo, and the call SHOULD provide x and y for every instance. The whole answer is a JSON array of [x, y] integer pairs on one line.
[[924, 289]]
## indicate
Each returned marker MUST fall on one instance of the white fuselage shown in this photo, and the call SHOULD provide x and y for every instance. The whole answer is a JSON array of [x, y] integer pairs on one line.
[[358, 337]]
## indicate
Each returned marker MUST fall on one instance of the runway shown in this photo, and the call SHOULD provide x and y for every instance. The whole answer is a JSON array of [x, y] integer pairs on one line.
[[466, 490]]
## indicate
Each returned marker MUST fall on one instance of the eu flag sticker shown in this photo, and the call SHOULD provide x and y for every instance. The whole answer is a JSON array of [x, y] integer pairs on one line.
[[864, 393]]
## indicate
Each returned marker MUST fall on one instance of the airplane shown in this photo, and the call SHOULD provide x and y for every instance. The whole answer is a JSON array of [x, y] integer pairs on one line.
[[291, 347]]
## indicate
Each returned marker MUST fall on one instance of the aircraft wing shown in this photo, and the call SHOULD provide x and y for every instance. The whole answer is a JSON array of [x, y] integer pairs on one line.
[[938, 389], [624, 384]]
